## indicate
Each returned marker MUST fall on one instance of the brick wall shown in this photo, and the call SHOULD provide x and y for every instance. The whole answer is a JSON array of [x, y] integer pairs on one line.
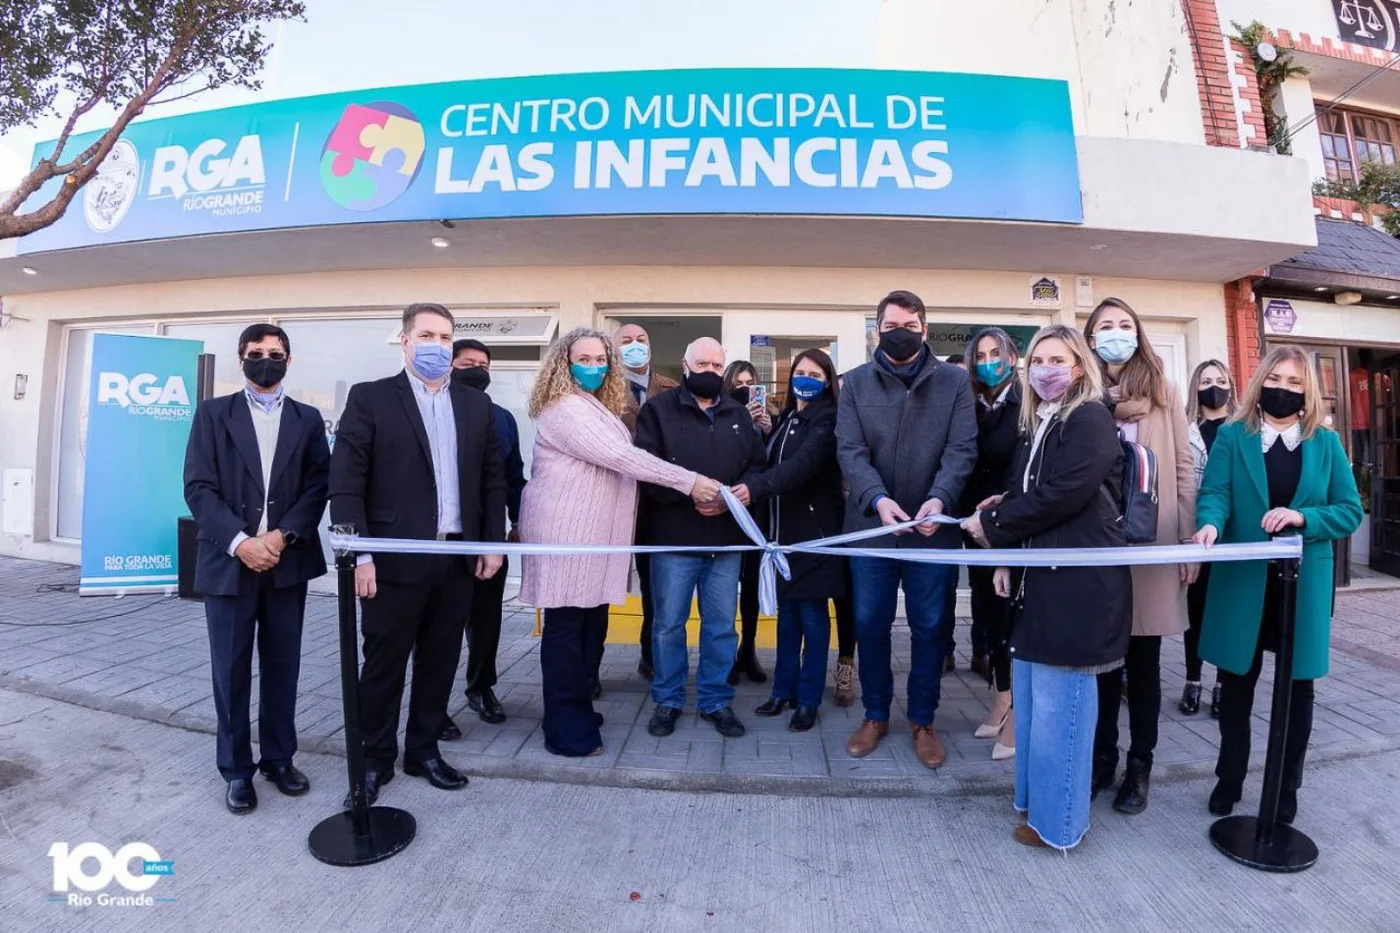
[[1213, 82], [1251, 108], [1242, 329]]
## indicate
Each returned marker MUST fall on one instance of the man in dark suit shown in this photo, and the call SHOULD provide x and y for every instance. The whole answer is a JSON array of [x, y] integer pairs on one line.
[[471, 367], [256, 470], [416, 457], [644, 383]]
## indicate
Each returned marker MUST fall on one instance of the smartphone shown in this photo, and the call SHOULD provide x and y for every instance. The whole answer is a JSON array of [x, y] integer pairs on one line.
[[758, 395]]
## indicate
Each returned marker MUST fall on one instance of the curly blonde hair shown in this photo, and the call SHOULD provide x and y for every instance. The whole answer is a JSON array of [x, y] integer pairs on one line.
[[555, 381]]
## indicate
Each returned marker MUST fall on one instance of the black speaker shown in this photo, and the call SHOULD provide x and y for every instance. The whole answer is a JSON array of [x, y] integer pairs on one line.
[[187, 539]]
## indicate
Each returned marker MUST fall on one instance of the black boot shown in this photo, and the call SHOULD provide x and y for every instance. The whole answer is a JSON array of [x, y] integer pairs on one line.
[[1287, 806], [1215, 702], [1132, 795], [1190, 703], [1104, 771], [1224, 797], [746, 664]]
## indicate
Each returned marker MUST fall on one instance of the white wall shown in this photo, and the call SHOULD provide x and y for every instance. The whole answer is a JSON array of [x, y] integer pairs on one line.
[[1129, 66], [1313, 17]]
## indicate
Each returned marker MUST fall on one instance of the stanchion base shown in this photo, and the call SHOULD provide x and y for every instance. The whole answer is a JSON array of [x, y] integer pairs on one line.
[[334, 842], [1290, 851]]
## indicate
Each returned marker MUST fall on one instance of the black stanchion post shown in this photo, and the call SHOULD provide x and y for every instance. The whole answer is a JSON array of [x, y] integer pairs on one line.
[[1262, 842], [363, 834]]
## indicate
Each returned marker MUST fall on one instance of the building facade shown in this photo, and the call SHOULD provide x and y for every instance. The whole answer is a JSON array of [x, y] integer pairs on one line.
[[1007, 233], [1340, 299]]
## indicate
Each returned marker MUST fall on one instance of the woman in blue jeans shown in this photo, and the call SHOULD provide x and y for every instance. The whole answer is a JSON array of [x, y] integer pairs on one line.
[[802, 489], [1071, 623]]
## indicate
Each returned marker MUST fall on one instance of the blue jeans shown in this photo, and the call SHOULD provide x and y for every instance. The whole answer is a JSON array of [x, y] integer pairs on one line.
[[804, 637], [674, 580], [1056, 711], [876, 581]]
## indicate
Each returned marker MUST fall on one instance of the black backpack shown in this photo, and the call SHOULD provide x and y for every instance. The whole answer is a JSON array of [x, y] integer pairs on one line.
[[1139, 493]]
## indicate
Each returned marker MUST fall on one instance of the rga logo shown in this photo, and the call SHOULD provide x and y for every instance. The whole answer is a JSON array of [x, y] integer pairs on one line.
[[91, 867], [108, 194], [209, 180], [146, 394]]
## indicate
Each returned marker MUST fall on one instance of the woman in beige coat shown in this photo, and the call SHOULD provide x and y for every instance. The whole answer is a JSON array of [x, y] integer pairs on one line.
[[1149, 411]]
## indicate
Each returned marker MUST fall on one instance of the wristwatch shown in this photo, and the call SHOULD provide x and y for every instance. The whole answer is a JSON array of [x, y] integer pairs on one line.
[[290, 537]]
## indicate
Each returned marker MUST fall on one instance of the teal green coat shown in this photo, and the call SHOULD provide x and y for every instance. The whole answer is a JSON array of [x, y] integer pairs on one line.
[[1234, 497]]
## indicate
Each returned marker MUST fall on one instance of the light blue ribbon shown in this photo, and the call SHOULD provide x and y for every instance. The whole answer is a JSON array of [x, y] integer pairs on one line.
[[774, 561]]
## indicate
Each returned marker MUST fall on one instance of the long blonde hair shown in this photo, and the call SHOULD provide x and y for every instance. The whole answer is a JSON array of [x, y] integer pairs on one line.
[[1088, 388], [1193, 404], [1143, 376], [1311, 417], [555, 381]]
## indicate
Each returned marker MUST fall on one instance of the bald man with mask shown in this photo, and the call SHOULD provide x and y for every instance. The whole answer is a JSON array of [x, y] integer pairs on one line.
[[700, 427]]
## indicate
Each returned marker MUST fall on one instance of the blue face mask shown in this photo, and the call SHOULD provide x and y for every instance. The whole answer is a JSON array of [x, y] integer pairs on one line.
[[1115, 346], [635, 355], [431, 360], [589, 378], [807, 387], [993, 373]]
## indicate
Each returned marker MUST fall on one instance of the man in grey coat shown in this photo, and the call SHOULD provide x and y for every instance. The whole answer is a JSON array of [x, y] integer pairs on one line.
[[906, 433]]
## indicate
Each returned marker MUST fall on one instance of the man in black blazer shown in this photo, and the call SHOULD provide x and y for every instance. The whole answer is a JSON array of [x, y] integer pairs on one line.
[[256, 471], [416, 457]]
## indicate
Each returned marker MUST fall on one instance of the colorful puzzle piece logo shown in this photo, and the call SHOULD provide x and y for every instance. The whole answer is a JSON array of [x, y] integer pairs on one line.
[[372, 155]]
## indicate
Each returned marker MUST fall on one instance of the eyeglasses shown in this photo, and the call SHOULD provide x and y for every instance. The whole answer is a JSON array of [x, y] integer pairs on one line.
[[276, 356]]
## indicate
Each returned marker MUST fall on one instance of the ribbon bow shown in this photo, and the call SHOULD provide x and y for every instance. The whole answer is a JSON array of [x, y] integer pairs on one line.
[[773, 560]]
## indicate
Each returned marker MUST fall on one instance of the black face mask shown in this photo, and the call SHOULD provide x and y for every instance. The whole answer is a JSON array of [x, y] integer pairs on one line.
[[266, 372], [901, 345], [740, 395], [1280, 403], [1212, 398], [704, 385], [475, 378]]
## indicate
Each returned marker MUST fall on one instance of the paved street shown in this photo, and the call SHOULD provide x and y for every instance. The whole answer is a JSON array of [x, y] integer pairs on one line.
[[147, 657], [526, 856]]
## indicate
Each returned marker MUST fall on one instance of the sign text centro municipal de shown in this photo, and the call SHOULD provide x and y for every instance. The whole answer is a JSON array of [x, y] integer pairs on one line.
[[782, 141]]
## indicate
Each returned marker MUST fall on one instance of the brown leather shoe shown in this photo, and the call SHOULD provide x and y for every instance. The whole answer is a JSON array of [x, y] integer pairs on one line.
[[867, 738], [926, 745], [1029, 837]]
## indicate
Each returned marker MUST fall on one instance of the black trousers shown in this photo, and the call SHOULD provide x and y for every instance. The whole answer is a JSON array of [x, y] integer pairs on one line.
[[571, 647], [992, 615], [484, 630], [981, 641], [1144, 667], [648, 609], [1237, 705], [845, 617], [424, 620], [748, 600], [1195, 613], [271, 618]]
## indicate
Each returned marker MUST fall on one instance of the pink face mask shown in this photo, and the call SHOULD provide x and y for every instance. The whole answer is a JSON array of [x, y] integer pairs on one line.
[[1051, 382]]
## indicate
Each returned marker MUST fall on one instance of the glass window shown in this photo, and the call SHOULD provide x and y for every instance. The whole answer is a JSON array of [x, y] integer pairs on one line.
[[72, 430], [328, 357], [1336, 146], [1373, 139]]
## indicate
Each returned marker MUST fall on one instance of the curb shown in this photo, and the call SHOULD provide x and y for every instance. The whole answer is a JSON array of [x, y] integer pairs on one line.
[[983, 783]]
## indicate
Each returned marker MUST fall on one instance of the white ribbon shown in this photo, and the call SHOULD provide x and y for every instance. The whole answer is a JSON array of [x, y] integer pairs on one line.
[[774, 560]]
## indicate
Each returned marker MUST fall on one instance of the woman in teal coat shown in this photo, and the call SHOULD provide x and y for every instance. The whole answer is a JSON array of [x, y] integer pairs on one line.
[[1275, 469]]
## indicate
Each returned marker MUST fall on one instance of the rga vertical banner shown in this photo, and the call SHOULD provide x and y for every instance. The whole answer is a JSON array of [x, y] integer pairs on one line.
[[140, 407]]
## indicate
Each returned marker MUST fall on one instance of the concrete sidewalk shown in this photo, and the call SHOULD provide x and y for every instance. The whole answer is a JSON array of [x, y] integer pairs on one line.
[[147, 658], [525, 856]]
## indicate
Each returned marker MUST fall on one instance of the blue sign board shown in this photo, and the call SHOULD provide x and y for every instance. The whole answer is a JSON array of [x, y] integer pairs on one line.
[[735, 141], [140, 407]]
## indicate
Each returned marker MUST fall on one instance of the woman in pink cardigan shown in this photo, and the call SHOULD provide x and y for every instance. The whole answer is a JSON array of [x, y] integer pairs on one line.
[[582, 491]]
